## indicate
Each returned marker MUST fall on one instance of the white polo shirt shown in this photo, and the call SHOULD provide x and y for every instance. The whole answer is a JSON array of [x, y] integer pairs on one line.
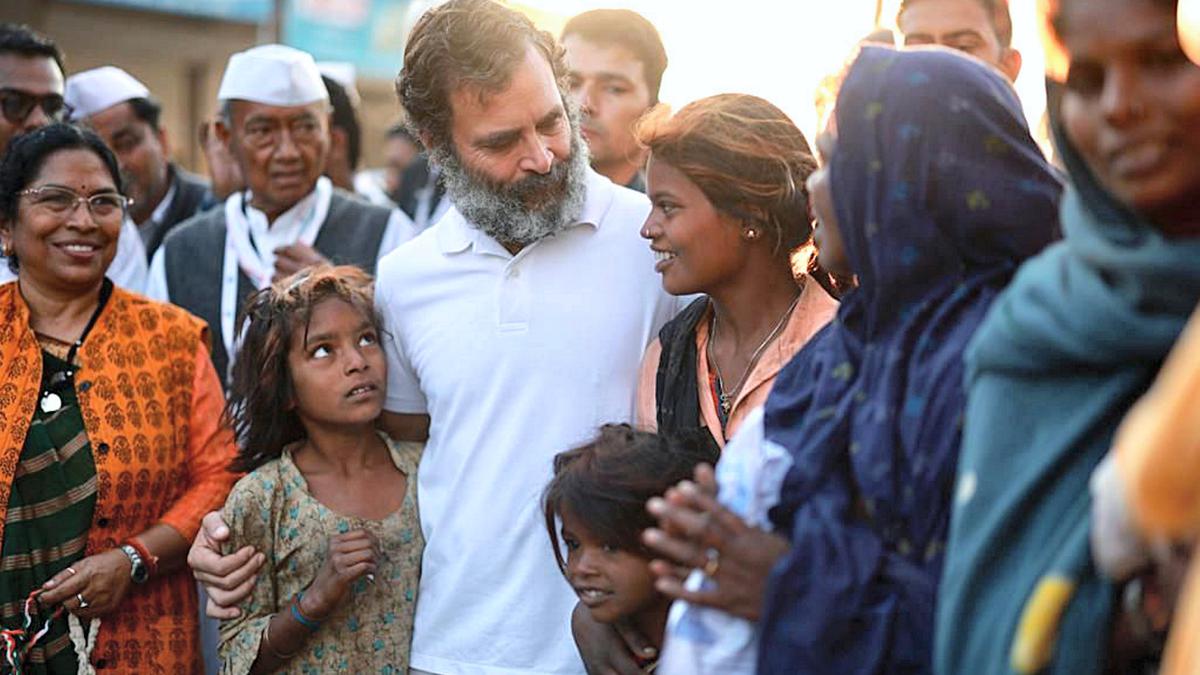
[[515, 358]]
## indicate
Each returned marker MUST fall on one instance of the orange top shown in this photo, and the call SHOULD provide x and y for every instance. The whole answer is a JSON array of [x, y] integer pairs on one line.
[[1158, 456], [151, 405], [814, 309]]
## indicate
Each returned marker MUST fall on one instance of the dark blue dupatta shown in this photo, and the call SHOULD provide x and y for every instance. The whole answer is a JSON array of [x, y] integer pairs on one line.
[[940, 194]]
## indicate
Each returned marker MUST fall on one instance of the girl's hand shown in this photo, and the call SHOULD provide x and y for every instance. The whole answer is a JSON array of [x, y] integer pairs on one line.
[[349, 556], [102, 580], [695, 531]]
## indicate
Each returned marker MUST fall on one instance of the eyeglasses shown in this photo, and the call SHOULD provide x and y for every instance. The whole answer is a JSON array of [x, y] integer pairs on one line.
[[59, 201], [16, 105]]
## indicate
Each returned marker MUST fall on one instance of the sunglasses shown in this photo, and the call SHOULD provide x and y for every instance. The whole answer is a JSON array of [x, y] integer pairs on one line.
[[16, 105]]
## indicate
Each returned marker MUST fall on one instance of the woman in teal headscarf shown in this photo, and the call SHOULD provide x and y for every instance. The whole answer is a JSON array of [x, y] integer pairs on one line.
[[1070, 346]]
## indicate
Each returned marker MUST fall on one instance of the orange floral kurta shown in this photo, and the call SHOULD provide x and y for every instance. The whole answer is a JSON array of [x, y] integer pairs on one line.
[[151, 405]]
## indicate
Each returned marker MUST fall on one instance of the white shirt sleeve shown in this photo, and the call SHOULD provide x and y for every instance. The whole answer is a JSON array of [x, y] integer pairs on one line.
[[156, 280], [399, 229], [404, 393], [128, 268], [1119, 549]]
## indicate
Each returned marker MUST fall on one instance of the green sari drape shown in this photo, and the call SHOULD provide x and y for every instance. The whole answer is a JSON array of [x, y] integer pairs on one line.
[[49, 515]]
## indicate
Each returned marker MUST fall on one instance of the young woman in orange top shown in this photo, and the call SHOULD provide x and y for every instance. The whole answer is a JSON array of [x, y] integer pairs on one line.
[[726, 179]]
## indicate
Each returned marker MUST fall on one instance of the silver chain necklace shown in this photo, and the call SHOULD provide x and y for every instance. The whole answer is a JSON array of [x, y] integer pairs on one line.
[[727, 398]]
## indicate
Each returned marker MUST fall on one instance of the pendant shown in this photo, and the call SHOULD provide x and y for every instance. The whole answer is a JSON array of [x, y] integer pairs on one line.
[[51, 402], [726, 404]]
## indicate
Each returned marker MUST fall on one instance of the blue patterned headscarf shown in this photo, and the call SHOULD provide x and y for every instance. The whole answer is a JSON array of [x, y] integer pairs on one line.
[[940, 193]]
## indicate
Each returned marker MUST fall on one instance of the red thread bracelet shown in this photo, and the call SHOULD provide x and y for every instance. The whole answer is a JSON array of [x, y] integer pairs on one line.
[[151, 561]]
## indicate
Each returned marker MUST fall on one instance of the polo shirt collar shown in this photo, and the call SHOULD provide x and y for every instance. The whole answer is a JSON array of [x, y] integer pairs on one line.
[[456, 234]]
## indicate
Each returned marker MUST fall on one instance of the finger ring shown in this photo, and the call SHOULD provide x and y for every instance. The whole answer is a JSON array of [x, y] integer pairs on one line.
[[72, 571], [713, 563], [82, 603]]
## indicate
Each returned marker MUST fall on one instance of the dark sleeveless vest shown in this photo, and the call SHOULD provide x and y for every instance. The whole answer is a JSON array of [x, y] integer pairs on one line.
[[677, 397], [194, 257]]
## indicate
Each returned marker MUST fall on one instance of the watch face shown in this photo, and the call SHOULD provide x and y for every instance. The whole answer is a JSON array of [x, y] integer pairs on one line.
[[139, 573]]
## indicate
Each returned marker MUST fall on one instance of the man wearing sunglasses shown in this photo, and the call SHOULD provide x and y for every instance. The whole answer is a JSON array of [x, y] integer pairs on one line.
[[31, 96], [31, 82]]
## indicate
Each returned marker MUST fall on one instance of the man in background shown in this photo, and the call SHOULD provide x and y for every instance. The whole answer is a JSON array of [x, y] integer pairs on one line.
[[615, 64], [345, 146], [120, 109], [400, 149], [981, 28], [275, 122]]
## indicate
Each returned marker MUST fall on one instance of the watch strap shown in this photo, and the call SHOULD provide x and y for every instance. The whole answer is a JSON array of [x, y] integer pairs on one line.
[[138, 571], [151, 561]]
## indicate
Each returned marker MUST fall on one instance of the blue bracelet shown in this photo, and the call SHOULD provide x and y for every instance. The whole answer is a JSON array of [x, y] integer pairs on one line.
[[308, 623]]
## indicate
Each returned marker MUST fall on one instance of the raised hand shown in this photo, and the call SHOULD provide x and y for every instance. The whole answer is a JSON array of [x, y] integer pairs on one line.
[[697, 532]]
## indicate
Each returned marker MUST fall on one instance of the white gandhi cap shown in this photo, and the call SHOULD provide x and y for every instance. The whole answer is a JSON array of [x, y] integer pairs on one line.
[[101, 88], [274, 75]]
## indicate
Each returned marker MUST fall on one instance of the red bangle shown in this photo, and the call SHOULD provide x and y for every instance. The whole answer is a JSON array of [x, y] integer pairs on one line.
[[150, 560]]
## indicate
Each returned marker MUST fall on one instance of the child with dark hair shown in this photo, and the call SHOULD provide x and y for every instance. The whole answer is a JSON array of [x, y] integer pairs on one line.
[[598, 498], [329, 501]]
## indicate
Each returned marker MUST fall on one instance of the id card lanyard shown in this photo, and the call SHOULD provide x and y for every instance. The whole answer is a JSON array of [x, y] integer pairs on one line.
[[242, 256]]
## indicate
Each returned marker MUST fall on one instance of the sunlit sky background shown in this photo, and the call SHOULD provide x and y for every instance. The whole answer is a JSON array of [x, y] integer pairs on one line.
[[777, 49]]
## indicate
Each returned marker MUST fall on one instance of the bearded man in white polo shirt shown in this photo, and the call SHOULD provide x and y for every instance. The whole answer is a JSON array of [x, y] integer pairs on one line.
[[517, 325], [275, 122]]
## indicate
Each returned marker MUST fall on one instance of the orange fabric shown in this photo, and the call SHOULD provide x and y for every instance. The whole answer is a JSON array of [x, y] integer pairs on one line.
[[813, 311], [1158, 455], [1158, 445], [151, 405]]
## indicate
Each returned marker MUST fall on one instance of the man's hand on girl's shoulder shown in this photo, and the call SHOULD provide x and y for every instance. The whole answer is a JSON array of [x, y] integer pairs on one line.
[[228, 579]]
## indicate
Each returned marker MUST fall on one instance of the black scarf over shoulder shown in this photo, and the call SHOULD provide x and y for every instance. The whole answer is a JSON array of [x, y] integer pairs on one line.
[[676, 395]]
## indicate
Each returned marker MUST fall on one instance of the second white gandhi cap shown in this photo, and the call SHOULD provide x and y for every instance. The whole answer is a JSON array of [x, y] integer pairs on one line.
[[91, 91], [274, 75]]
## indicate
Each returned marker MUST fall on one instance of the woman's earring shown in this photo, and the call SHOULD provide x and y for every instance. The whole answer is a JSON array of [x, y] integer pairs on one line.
[[752, 234]]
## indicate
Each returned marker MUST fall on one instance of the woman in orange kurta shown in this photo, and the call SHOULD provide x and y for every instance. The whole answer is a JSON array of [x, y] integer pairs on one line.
[[111, 445]]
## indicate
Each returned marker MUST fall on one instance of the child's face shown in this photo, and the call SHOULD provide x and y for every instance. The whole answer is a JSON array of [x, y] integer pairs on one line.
[[339, 372], [612, 583]]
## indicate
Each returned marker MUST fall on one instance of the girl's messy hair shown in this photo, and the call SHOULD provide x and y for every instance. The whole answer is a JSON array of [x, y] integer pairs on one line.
[[606, 482], [261, 406]]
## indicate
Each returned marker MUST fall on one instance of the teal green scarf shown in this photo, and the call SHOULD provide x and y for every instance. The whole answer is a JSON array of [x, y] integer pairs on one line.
[[1064, 352]]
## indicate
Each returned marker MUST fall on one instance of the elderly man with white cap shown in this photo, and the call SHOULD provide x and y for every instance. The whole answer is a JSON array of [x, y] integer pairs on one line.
[[120, 109], [275, 121]]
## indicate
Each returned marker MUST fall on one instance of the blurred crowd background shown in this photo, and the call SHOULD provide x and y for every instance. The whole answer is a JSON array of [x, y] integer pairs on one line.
[[179, 48]]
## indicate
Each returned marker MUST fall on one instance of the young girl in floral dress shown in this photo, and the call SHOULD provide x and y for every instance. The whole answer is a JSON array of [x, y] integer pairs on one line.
[[329, 500]]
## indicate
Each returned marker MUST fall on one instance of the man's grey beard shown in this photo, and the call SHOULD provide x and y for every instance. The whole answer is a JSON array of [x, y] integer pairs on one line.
[[520, 213]]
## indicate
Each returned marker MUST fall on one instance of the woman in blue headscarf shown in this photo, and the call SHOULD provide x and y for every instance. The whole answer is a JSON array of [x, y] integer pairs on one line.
[[933, 193], [1070, 346]]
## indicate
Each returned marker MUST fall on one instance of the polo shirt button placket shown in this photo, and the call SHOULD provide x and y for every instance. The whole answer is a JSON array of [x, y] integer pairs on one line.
[[514, 299]]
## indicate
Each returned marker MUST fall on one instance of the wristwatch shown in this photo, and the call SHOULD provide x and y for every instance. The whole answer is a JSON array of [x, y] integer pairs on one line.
[[138, 570]]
